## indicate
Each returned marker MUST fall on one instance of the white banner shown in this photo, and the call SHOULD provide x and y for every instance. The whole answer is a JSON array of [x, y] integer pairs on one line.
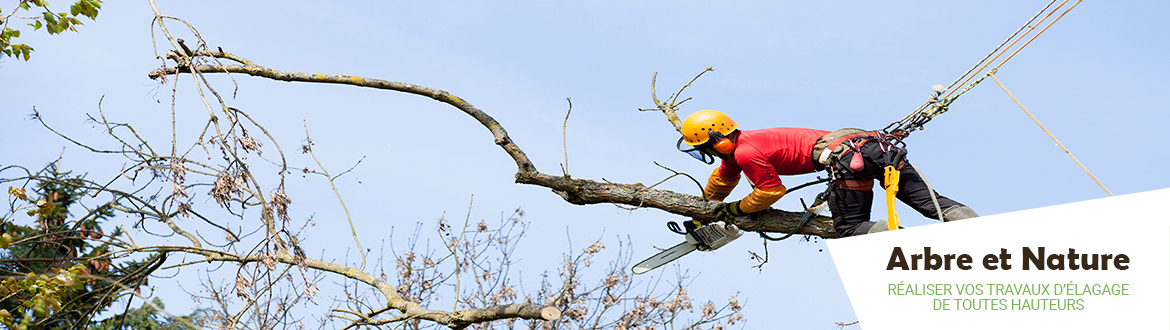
[[1096, 264]]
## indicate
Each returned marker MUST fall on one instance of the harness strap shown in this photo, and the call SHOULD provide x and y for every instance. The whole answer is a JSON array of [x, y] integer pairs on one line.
[[859, 185], [827, 145]]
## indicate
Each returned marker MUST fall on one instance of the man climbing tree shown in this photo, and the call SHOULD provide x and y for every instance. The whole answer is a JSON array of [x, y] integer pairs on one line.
[[852, 157]]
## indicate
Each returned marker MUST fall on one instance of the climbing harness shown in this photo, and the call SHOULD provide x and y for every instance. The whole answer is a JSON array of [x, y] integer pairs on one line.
[[892, 156]]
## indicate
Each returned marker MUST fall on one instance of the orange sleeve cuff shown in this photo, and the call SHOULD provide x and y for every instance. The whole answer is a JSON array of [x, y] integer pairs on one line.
[[719, 187], [760, 199]]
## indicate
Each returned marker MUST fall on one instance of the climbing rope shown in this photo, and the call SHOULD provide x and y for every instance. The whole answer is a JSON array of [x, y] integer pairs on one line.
[[1041, 30], [938, 103], [1050, 135]]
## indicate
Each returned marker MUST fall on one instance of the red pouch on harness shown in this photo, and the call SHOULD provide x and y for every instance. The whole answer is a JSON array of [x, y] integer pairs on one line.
[[856, 163]]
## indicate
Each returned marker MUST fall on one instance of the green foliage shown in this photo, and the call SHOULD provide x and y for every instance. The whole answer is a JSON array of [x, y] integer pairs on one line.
[[43, 292], [54, 23], [57, 270], [148, 317]]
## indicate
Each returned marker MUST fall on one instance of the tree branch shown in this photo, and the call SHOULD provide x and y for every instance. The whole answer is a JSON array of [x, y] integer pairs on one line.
[[575, 191], [456, 319], [501, 136]]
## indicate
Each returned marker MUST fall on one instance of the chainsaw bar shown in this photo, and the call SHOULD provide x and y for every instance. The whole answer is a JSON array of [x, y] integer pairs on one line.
[[664, 257], [706, 238]]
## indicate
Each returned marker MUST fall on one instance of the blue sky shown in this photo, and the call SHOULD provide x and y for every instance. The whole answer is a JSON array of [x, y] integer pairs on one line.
[[1095, 79]]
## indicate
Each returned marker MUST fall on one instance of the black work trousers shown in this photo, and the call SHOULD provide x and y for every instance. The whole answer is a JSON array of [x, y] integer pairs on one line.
[[851, 194]]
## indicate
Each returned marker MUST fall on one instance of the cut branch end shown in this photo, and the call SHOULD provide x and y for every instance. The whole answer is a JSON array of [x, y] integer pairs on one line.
[[550, 313]]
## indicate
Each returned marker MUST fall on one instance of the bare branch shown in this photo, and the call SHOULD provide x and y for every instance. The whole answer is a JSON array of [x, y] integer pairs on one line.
[[332, 184], [501, 136], [576, 191], [564, 137], [671, 106], [410, 309]]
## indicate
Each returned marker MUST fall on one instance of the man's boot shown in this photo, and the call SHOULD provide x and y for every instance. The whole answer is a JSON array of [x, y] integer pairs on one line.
[[958, 212], [878, 227]]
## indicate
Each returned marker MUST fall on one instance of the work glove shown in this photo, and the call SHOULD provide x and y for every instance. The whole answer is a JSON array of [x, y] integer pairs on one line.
[[727, 211]]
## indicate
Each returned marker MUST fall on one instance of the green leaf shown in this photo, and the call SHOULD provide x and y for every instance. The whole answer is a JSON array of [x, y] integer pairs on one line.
[[24, 5], [93, 10], [38, 27], [17, 51], [85, 8], [51, 20]]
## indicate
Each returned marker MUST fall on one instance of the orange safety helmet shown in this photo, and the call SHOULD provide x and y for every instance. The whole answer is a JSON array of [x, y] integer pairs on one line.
[[707, 127], [697, 127]]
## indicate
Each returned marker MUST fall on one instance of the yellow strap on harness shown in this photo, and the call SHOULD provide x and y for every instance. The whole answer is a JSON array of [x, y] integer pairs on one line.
[[892, 177]]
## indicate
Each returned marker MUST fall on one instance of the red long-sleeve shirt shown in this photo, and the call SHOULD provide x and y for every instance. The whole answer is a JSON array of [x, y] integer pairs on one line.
[[763, 155]]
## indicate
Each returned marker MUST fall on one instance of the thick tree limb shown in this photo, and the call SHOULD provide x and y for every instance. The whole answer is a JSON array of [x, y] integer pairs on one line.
[[576, 191], [583, 191]]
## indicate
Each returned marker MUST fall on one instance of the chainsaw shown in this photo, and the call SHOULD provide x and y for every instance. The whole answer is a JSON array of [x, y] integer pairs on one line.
[[698, 237]]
